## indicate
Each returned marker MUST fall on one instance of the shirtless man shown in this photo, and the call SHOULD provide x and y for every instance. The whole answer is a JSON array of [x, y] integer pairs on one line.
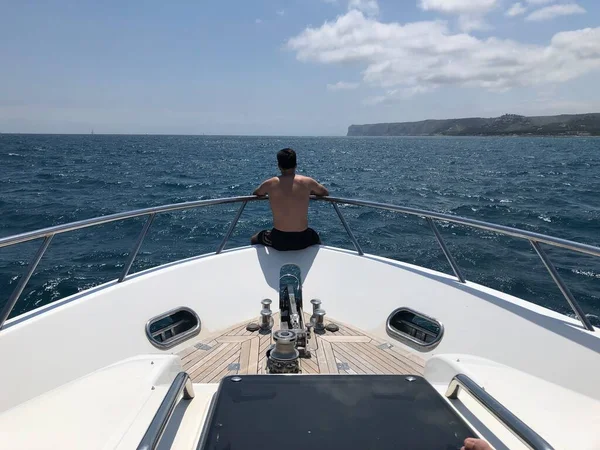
[[289, 196]]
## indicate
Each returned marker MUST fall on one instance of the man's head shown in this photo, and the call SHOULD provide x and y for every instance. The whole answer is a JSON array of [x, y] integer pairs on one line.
[[286, 159]]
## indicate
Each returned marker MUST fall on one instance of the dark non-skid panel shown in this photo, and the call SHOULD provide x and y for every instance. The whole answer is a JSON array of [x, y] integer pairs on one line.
[[331, 412]]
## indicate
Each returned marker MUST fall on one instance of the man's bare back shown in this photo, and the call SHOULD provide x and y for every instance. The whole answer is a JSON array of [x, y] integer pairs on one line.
[[289, 196]]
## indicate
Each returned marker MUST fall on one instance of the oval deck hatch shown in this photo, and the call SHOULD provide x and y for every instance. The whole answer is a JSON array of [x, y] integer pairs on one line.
[[173, 327], [414, 329]]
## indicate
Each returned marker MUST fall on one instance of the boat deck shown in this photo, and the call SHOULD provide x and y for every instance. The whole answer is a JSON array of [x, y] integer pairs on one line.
[[346, 351]]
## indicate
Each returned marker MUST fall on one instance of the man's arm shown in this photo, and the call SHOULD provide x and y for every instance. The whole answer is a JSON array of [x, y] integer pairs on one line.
[[263, 189], [317, 188]]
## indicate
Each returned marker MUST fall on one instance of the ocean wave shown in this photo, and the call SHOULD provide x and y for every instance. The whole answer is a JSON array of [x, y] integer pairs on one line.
[[66, 178], [586, 273]]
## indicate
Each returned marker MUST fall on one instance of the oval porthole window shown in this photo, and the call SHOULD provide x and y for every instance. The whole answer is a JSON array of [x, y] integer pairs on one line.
[[414, 329], [173, 327]]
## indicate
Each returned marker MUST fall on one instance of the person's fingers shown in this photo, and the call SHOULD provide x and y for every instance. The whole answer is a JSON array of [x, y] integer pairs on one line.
[[476, 444]]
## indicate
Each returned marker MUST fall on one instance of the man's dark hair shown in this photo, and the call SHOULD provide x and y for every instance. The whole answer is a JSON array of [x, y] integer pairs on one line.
[[286, 159]]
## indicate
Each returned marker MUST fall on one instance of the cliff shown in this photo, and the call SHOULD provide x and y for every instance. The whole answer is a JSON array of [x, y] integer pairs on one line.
[[507, 125]]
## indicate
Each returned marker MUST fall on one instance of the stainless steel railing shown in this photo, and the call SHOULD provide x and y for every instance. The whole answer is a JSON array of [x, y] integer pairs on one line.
[[529, 437], [155, 431], [49, 233], [535, 239]]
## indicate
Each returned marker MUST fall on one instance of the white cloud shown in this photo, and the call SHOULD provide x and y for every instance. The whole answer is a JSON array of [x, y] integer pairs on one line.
[[342, 86], [540, 2], [420, 56], [516, 10], [550, 12], [369, 7], [394, 95], [472, 23], [581, 44], [281, 12], [458, 6], [470, 12], [258, 21]]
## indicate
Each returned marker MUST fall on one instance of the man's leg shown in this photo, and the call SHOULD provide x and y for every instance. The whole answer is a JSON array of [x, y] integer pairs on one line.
[[262, 238]]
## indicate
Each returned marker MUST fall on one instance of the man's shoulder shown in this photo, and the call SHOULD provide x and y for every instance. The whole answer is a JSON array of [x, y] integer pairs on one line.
[[304, 179]]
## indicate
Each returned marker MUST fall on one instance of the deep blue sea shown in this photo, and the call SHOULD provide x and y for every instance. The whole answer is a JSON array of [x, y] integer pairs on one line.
[[547, 185]]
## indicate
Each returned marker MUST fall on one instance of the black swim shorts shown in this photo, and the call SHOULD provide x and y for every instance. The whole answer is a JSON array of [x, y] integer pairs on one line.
[[288, 240]]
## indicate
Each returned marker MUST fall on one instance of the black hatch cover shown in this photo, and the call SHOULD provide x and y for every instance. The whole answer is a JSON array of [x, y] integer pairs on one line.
[[285, 412]]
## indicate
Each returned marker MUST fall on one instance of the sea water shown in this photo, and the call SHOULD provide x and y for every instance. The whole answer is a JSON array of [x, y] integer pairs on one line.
[[546, 185]]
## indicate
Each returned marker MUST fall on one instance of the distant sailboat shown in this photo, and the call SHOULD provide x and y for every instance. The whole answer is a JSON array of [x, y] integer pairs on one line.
[[92, 131]]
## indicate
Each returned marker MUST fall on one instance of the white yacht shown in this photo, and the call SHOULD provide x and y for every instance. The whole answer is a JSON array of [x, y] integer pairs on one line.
[[323, 348]]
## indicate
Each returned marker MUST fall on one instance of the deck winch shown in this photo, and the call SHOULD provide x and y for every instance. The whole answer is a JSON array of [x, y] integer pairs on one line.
[[283, 356], [291, 340]]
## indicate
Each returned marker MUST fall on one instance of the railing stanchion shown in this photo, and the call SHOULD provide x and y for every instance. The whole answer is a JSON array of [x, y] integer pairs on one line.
[[562, 286], [231, 228], [14, 297], [136, 248], [446, 251], [348, 230]]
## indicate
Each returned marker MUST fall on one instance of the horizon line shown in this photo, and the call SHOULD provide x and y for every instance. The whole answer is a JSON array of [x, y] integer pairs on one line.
[[169, 134]]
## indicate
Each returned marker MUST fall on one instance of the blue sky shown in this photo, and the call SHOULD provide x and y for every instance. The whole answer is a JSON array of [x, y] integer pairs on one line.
[[297, 67]]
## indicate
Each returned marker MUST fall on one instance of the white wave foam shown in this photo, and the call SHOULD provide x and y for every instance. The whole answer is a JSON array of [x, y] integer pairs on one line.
[[587, 273]]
